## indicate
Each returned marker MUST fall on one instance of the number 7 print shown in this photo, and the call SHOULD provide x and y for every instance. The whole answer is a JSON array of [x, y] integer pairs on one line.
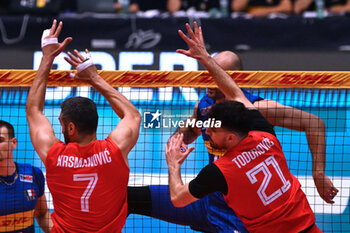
[[93, 178]]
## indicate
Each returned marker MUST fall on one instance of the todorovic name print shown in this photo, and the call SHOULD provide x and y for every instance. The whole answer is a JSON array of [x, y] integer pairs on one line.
[[247, 156]]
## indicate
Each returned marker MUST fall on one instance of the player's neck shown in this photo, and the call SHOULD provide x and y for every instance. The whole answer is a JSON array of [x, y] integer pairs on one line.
[[7, 167], [238, 139], [86, 139]]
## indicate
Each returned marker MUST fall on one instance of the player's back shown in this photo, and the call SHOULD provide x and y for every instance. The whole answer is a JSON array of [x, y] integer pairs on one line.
[[261, 190], [88, 185]]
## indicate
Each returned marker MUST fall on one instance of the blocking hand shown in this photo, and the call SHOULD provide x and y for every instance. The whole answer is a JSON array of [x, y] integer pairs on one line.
[[195, 41], [85, 67], [49, 41]]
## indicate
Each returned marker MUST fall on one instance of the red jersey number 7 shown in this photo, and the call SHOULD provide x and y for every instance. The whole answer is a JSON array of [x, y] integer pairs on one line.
[[84, 199]]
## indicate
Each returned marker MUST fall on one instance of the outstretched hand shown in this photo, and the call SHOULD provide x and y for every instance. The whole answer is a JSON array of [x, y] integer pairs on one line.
[[195, 42], [85, 67], [176, 150], [53, 48], [325, 188]]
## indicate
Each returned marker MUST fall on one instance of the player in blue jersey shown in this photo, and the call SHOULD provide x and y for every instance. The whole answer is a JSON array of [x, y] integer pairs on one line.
[[22, 187], [212, 214]]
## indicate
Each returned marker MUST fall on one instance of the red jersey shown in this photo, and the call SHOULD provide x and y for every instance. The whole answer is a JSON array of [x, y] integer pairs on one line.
[[88, 186], [261, 190]]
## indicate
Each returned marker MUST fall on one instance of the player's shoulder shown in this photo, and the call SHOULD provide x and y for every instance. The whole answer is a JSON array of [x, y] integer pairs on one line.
[[205, 101], [59, 145], [26, 167], [205, 98], [28, 171]]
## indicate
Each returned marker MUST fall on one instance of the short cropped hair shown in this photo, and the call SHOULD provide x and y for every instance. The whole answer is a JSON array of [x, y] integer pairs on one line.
[[234, 116], [82, 112], [10, 129]]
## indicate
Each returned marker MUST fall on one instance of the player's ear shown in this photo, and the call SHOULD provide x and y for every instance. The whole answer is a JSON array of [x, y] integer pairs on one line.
[[72, 129], [231, 138], [14, 143]]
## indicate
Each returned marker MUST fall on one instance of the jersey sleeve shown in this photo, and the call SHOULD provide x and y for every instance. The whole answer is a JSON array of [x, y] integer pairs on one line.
[[252, 98], [210, 179], [260, 123], [40, 180]]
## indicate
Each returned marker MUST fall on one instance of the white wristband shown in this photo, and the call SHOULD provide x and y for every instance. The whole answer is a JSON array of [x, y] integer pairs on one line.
[[82, 66], [46, 41]]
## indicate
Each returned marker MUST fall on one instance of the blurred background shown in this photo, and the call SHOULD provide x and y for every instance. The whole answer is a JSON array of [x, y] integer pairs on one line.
[[267, 34]]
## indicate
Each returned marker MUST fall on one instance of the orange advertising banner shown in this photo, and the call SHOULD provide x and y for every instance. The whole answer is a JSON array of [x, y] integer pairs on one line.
[[254, 79]]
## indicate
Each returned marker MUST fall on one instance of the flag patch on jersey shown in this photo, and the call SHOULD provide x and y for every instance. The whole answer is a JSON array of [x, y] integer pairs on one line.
[[30, 194], [26, 178]]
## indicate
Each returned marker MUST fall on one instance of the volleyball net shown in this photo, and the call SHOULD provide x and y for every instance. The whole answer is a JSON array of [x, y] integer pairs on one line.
[[167, 98]]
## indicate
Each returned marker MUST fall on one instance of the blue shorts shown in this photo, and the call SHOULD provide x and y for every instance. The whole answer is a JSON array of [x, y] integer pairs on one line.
[[209, 214]]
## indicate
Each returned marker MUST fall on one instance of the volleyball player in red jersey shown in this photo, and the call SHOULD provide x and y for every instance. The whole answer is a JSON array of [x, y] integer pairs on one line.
[[253, 175], [87, 177]]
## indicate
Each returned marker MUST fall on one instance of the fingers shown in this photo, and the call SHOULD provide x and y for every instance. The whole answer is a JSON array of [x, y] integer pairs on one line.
[[333, 192], [74, 58], [334, 189], [200, 35], [183, 145], [71, 62], [166, 149], [190, 32], [58, 30], [190, 150], [179, 140], [184, 37], [81, 57], [53, 27], [176, 143], [65, 42], [329, 199], [196, 30], [185, 154], [329, 194], [184, 52]]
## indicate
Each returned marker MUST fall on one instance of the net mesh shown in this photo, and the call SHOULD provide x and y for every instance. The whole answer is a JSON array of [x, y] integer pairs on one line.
[[147, 159]]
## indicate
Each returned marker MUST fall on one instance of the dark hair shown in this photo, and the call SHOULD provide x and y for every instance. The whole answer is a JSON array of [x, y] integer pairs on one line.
[[234, 116], [10, 129], [82, 112]]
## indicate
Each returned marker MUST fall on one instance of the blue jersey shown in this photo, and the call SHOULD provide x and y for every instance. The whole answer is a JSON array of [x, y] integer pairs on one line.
[[18, 199], [204, 106]]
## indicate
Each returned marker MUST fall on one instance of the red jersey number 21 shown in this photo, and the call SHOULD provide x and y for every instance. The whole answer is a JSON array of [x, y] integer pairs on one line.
[[264, 168], [84, 199]]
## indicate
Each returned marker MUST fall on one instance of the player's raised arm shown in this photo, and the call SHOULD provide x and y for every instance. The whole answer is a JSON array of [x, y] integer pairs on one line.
[[198, 51], [126, 133], [41, 131], [190, 134], [176, 152], [315, 131]]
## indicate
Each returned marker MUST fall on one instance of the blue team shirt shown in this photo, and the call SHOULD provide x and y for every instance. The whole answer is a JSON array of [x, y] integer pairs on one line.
[[18, 200]]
